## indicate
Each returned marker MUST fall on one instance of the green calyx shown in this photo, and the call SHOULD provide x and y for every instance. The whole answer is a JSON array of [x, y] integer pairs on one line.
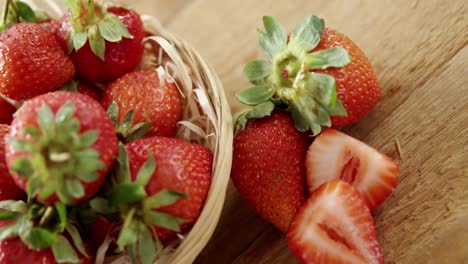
[[286, 80], [137, 209], [56, 157], [41, 227], [18, 11], [93, 23], [126, 131]]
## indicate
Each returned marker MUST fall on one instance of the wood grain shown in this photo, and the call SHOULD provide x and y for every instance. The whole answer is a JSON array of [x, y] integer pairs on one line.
[[418, 50]]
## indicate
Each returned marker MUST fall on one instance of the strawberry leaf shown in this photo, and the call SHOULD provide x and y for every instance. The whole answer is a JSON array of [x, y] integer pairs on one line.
[[126, 122], [165, 220], [259, 111], [33, 132], [63, 251], [7, 215], [38, 238], [25, 12], [126, 193], [307, 34], [112, 29], [8, 231], [48, 189], [274, 39], [46, 120], [97, 42], [138, 131], [132, 252], [33, 186], [299, 122], [88, 138], [62, 213], [123, 168], [129, 233], [322, 87], [76, 238], [102, 206], [79, 40], [333, 57], [146, 170], [164, 197], [74, 188], [23, 167], [65, 113], [256, 95], [113, 112], [21, 145], [257, 70], [146, 245], [15, 206]]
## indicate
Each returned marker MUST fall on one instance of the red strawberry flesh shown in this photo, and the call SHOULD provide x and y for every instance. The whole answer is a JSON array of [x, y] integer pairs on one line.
[[334, 226], [334, 155]]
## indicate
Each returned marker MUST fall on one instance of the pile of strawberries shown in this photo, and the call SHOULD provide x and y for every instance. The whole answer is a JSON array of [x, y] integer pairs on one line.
[[88, 153], [318, 185]]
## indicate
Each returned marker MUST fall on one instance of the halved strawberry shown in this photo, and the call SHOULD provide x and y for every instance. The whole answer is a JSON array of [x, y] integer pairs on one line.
[[335, 155], [334, 226]]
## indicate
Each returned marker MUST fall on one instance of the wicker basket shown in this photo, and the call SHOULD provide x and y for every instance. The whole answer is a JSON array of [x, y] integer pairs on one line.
[[206, 120]]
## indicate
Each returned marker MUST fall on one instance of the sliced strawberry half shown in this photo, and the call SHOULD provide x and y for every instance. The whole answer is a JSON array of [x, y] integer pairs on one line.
[[335, 155], [334, 226]]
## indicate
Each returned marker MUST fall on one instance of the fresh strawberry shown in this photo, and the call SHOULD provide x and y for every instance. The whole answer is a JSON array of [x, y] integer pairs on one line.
[[152, 99], [31, 62], [268, 167], [317, 74], [334, 155], [8, 188], [334, 226], [61, 146], [115, 35], [159, 188], [6, 111], [181, 166]]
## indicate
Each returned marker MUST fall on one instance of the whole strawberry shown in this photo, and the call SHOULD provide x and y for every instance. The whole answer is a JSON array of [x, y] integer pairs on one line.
[[6, 111], [161, 185], [180, 166], [31, 62], [60, 147], [8, 188], [317, 74], [104, 43], [152, 99], [268, 167]]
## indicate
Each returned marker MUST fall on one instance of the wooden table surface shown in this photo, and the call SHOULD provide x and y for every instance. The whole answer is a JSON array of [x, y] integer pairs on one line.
[[418, 49]]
